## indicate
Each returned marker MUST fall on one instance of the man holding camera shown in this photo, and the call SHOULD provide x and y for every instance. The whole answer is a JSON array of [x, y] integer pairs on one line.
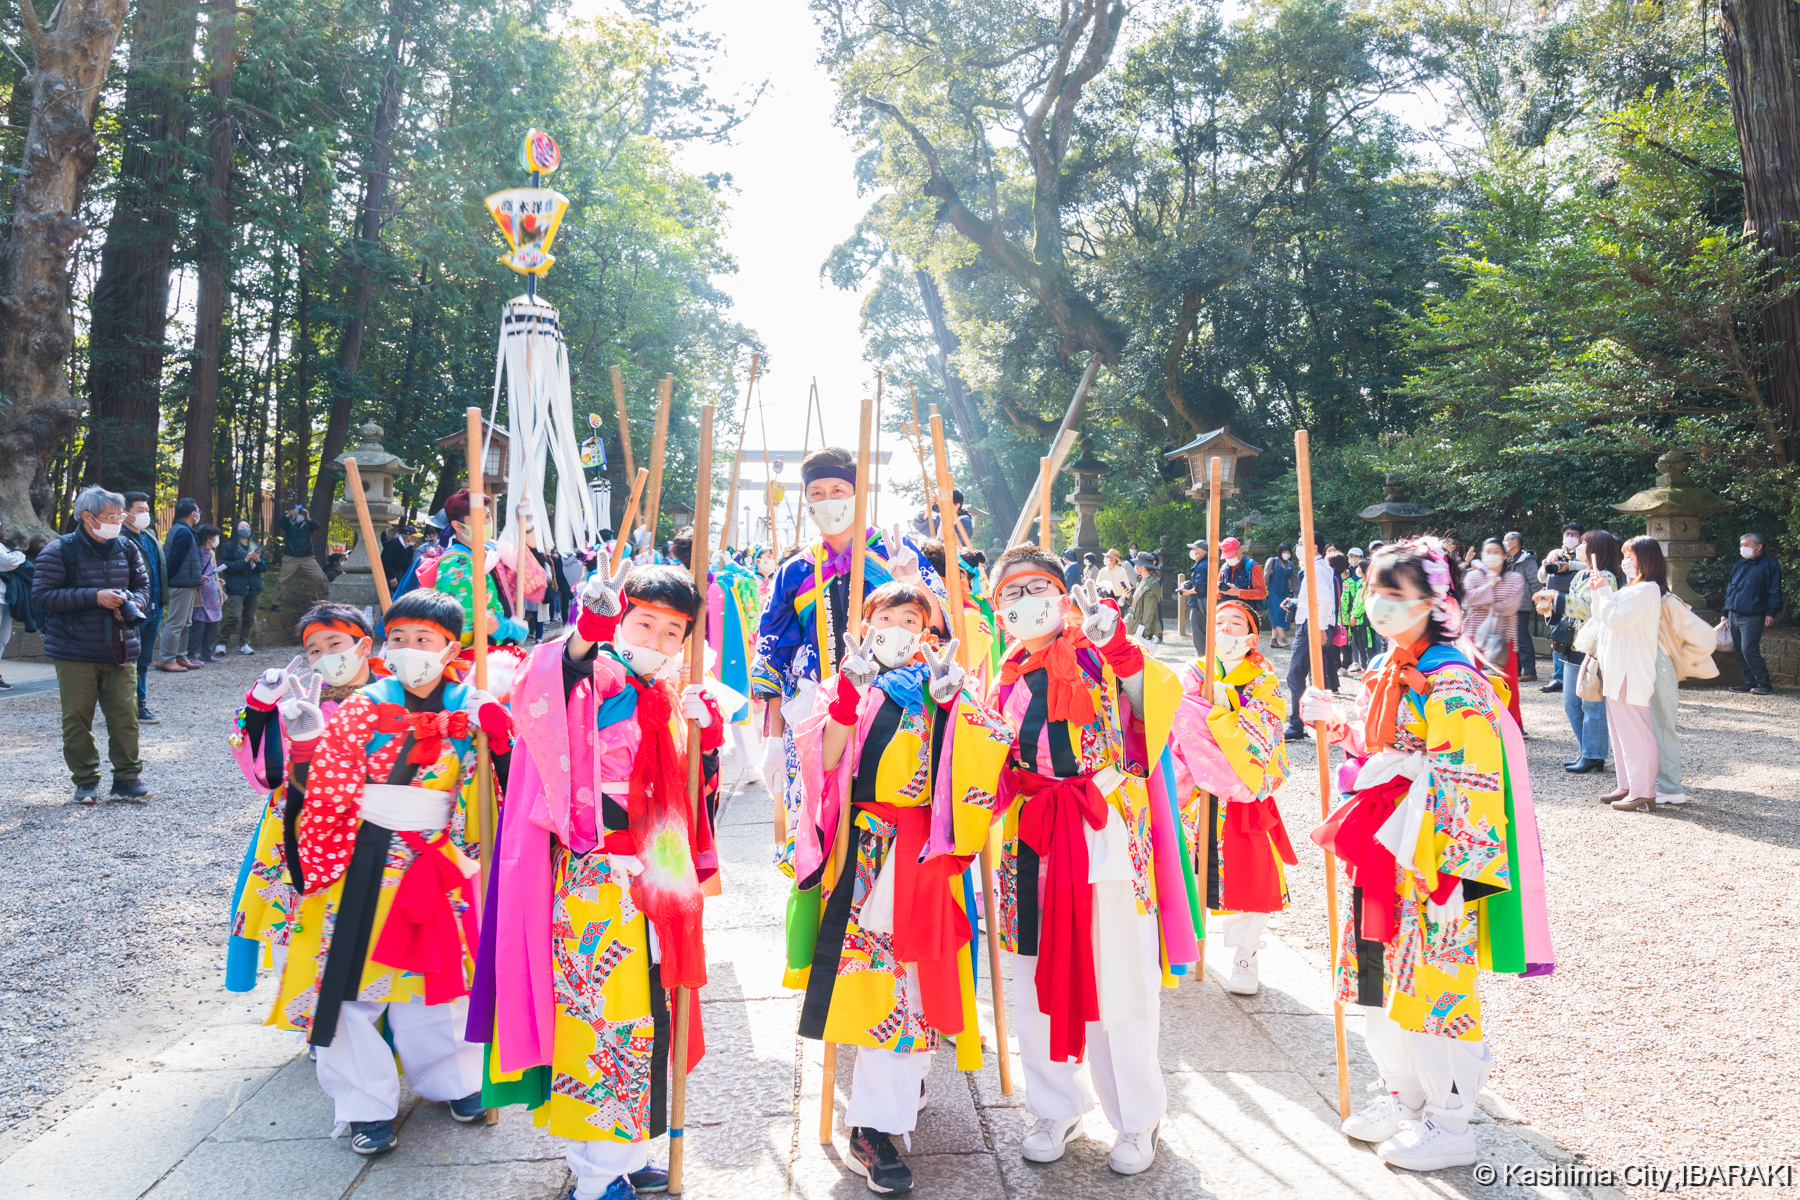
[[94, 589], [296, 529]]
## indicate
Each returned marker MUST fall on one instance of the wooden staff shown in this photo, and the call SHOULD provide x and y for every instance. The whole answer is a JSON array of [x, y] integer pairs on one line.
[[619, 539], [618, 381], [959, 629], [696, 665], [486, 815], [1316, 653], [737, 460], [653, 504], [1046, 477], [859, 547], [768, 478], [1215, 467], [353, 485]]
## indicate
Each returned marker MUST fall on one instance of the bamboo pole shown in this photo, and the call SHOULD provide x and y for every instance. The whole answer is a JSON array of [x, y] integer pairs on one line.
[[859, 547], [487, 816], [696, 665], [653, 502], [768, 477], [1046, 481], [353, 485], [1060, 446], [618, 382], [631, 508], [737, 460], [1316, 653], [959, 629]]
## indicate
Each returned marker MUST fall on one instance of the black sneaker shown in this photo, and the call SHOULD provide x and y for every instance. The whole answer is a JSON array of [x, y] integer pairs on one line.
[[372, 1137], [5, 686], [1555, 685], [1763, 691], [130, 789], [146, 717], [1294, 735], [872, 1155], [87, 793], [650, 1179], [468, 1108], [1738, 687]]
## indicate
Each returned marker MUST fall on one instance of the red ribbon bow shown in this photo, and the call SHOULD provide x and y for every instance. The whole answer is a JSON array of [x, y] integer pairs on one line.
[[1050, 823], [420, 933], [429, 729]]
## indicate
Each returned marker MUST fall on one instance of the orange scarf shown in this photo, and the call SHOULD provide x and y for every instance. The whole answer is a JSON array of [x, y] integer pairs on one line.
[[1068, 698], [1387, 686]]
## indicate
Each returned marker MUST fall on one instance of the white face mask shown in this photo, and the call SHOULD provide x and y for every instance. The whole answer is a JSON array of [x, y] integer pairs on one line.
[[1630, 568], [1390, 618], [644, 662], [1570, 541], [416, 668], [1232, 647], [1031, 617], [1494, 561], [340, 668], [832, 516], [1747, 551], [1285, 556], [893, 646], [141, 520]]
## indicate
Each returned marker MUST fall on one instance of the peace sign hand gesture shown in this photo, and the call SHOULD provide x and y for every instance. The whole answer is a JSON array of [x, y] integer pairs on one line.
[[601, 595], [946, 673], [903, 560], [301, 717], [1099, 619], [859, 666]]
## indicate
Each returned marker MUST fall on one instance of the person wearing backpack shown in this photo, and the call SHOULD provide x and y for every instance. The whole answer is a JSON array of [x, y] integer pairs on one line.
[[93, 586]]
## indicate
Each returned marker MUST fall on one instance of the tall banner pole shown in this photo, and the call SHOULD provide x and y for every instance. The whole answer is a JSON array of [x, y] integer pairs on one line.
[[1316, 654], [1215, 471], [618, 382], [768, 474], [696, 669], [653, 502], [1046, 478], [859, 548], [959, 629], [623, 535], [366, 527], [737, 460]]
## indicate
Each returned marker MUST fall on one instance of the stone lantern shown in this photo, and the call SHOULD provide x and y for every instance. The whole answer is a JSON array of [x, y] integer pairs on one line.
[[1396, 515], [1237, 465], [1087, 498], [378, 470], [1672, 512]]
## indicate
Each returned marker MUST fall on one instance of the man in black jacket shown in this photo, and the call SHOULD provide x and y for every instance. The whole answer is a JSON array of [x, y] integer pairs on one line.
[[94, 588], [181, 550], [397, 556], [1752, 599], [242, 564]]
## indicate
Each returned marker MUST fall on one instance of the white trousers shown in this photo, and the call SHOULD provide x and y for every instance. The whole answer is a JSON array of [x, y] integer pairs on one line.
[[1443, 1074], [596, 1164], [1122, 1064], [1244, 931], [884, 1092], [357, 1070]]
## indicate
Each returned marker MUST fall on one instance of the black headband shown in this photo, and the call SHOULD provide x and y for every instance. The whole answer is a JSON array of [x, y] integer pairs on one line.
[[829, 471]]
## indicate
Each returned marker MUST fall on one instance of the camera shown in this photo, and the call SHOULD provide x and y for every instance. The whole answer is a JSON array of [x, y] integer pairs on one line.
[[130, 615]]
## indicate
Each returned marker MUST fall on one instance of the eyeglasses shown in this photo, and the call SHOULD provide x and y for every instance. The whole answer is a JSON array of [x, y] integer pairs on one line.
[[1011, 592]]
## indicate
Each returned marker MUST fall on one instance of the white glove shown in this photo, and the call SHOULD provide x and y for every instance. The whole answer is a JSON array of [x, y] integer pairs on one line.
[[600, 595], [1222, 692], [270, 686], [903, 560], [859, 666], [301, 717], [946, 673], [1316, 705], [693, 705], [1099, 621], [774, 763], [475, 700]]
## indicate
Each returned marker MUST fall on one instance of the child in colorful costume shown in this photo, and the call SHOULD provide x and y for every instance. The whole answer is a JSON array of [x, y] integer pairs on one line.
[[1228, 746], [891, 965], [1437, 832], [385, 841], [594, 904], [1097, 892], [335, 663], [455, 575]]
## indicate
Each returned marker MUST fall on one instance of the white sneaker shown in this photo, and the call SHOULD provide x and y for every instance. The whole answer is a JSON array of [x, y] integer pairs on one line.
[[245, 649], [1243, 981], [220, 649], [1428, 1146], [1676, 798], [1049, 1138], [1133, 1153], [1381, 1118]]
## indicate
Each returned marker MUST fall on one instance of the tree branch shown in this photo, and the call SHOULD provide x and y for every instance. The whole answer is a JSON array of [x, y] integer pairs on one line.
[[40, 42]]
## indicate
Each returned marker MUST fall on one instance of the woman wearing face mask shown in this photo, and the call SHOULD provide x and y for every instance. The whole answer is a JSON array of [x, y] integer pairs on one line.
[[1083, 847], [800, 640], [335, 662], [597, 886], [907, 922], [1227, 743], [1491, 591], [1431, 748], [1631, 664], [383, 839], [1599, 557], [1278, 574]]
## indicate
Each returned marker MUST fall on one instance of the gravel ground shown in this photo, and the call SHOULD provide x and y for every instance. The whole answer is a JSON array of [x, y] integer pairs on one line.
[[1663, 1037]]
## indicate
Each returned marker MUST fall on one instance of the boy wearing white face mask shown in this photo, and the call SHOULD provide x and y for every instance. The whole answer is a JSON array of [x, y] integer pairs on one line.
[[275, 759], [897, 727], [1229, 760], [598, 884], [387, 817]]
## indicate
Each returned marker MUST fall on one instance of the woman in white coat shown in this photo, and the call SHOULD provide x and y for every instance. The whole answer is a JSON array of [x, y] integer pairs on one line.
[[1627, 649]]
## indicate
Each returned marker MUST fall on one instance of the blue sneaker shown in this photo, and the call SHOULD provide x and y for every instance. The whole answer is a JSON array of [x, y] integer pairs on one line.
[[651, 1179], [372, 1137], [618, 1189], [468, 1108]]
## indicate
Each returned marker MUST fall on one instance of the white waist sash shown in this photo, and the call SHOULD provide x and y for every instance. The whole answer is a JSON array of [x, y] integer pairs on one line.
[[412, 809]]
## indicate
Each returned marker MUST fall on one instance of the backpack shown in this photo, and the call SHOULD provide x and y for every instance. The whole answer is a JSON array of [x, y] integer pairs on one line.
[[25, 614]]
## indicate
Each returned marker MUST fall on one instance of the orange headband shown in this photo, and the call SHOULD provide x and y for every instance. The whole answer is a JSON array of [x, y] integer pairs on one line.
[[336, 625], [429, 624], [1249, 613], [661, 608], [1056, 579]]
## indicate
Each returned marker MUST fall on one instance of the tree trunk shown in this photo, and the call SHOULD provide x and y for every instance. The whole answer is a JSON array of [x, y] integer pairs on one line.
[[375, 181], [214, 266], [994, 488], [36, 329], [1761, 43], [130, 303]]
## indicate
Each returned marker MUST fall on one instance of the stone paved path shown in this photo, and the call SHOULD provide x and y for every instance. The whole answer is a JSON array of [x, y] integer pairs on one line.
[[231, 1109]]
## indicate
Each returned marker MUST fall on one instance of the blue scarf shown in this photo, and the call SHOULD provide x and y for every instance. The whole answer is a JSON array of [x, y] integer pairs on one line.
[[906, 685]]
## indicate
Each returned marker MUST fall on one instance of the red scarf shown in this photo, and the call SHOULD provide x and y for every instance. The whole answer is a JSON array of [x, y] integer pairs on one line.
[[1349, 833], [928, 927], [668, 891], [1068, 696], [420, 933], [1386, 689], [1050, 823]]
